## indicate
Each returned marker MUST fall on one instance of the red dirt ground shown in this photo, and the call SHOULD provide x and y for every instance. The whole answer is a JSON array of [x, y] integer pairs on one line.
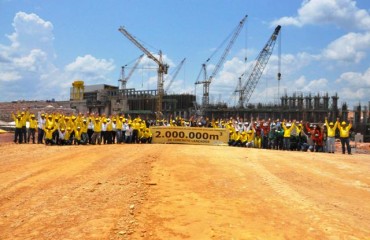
[[165, 191]]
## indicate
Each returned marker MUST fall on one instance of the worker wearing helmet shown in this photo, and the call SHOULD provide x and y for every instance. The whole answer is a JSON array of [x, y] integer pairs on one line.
[[288, 128], [40, 127], [344, 131], [32, 128], [61, 136], [49, 130], [18, 136], [96, 136], [84, 135], [77, 139], [24, 117], [331, 128], [316, 136]]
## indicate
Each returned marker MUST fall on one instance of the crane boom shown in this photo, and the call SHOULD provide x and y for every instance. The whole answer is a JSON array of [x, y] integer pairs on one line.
[[162, 67], [175, 74], [207, 82], [260, 63], [124, 79]]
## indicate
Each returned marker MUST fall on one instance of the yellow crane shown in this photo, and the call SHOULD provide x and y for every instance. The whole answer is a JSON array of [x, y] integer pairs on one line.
[[162, 68]]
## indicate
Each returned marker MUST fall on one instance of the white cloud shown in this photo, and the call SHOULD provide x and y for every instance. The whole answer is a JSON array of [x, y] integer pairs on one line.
[[355, 79], [9, 76], [90, 65], [342, 13], [27, 69], [348, 48]]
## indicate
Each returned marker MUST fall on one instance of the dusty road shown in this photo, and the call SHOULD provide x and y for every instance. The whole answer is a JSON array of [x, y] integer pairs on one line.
[[181, 192]]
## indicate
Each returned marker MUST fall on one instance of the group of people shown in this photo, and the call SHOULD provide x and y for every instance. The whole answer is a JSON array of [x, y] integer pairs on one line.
[[290, 135], [60, 129]]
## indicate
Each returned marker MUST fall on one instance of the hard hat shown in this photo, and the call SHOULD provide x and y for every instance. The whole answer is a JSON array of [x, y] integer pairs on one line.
[[331, 124], [344, 123], [78, 127], [300, 125], [69, 128], [249, 131], [22, 113], [18, 116], [62, 129], [33, 115], [42, 115]]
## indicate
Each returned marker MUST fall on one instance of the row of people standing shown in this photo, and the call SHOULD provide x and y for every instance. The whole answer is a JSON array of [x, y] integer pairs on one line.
[[290, 135], [60, 129]]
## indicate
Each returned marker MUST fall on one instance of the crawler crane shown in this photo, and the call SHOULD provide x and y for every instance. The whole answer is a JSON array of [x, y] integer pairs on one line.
[[207, 81], [245, 92]]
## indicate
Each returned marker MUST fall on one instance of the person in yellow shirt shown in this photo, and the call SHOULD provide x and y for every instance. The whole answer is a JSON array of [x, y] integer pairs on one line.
[[288, 127], [18, 136], [243, 139], [49, 130], [32, 128], [250, 138], [344, 131], [119, 127], [330, 141], [96, 136], [78, 136], [24, 117], [84, 135], [147, 136]]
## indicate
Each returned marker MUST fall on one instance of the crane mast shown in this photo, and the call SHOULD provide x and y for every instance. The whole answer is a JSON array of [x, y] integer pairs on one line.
[[207, 81], [260, 63], [124, 79], [162, 68], [175, 75]]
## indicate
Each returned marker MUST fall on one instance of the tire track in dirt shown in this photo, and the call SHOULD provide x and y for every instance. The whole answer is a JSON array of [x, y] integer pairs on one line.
[[321, 220]]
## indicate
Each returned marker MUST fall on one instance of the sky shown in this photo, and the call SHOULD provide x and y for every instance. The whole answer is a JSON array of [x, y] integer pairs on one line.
[[324, 45]]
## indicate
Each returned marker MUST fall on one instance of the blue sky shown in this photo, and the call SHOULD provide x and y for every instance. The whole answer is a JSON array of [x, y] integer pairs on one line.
[[46, 45]]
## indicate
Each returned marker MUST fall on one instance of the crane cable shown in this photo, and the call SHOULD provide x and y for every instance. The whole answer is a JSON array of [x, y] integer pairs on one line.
[[279, 63]]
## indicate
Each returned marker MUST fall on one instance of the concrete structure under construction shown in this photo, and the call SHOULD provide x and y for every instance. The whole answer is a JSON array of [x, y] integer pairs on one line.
[[107, 99]]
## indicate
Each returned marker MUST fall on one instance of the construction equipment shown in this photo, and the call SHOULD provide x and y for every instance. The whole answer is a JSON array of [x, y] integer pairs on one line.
[[124, 79], [177, 70], [207, 81], [162, 68], [245, 92]]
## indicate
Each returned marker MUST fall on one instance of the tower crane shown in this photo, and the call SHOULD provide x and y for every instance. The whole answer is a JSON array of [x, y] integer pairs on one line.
[[245, 92], [124, 79], [162, 67], [175, 74], [207, 81]]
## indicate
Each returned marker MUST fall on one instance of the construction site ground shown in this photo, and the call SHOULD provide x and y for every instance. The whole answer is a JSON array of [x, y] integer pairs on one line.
[[168, 191]]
